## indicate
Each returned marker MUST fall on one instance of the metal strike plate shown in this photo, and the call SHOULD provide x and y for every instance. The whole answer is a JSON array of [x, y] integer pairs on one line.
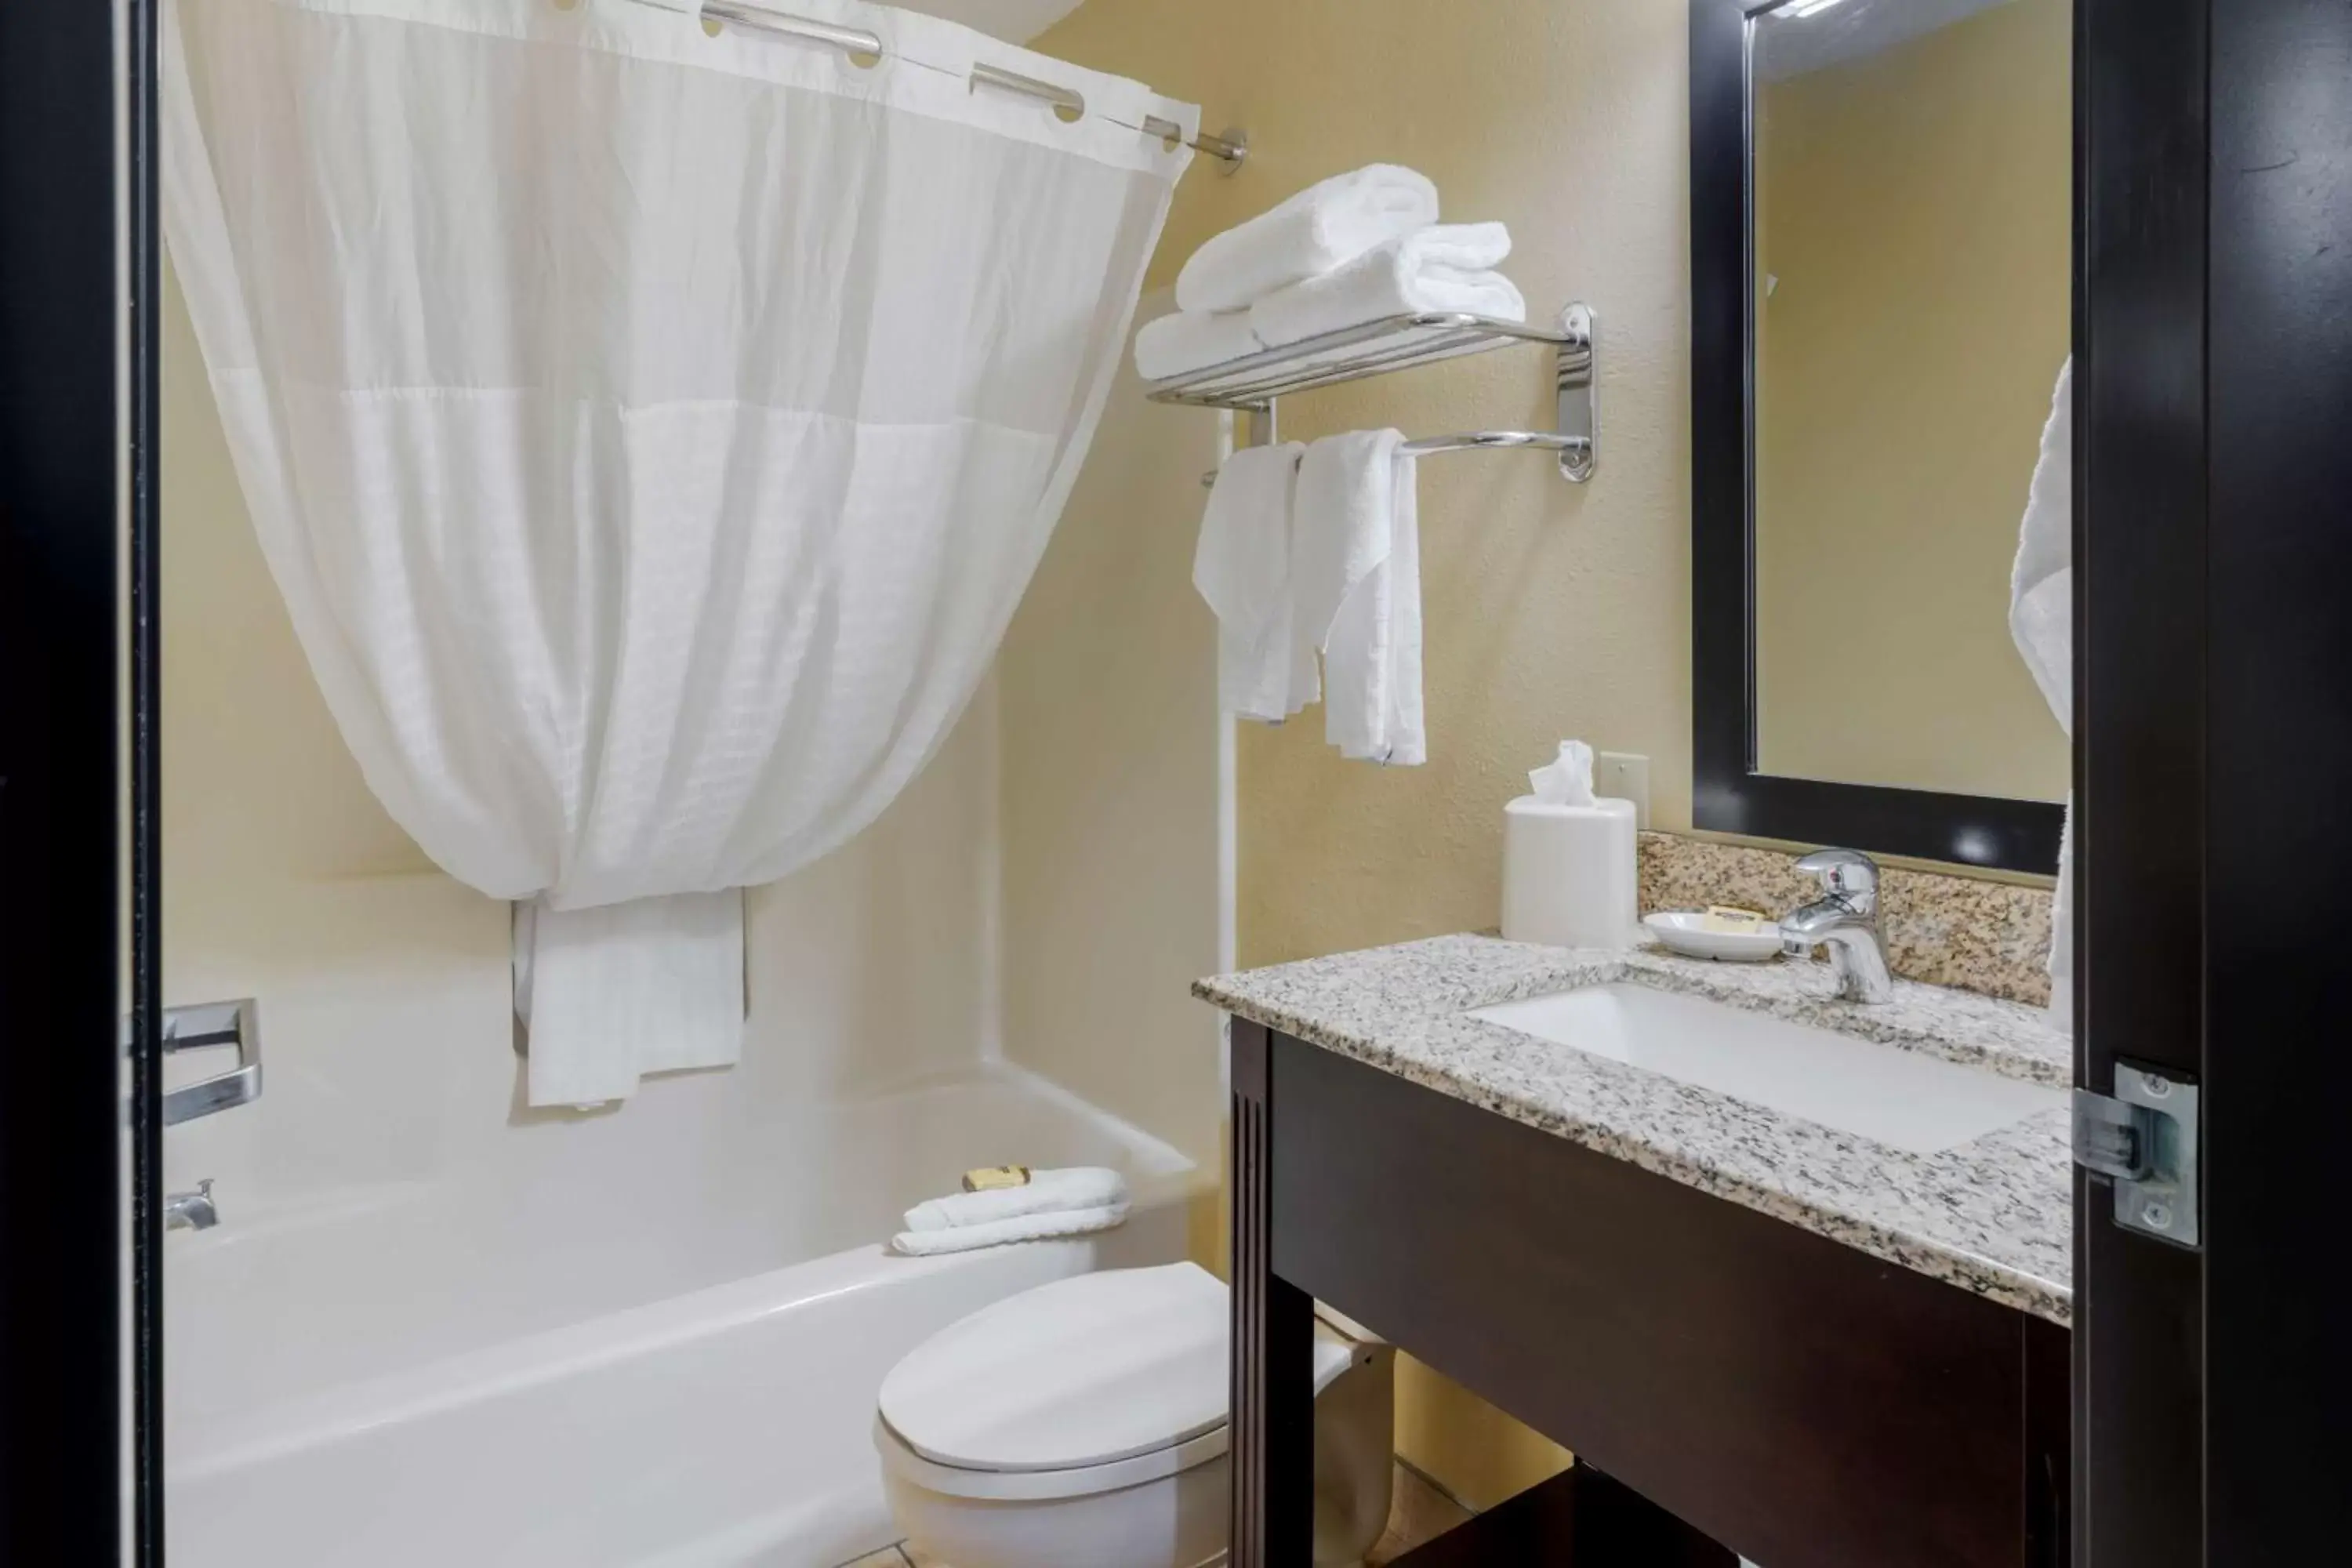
[[2143, 1138]]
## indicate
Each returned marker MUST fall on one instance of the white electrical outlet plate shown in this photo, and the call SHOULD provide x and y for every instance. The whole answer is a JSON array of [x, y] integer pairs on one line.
[[1626, 777]]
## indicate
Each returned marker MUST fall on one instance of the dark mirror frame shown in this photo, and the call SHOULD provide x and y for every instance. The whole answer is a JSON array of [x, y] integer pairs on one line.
[[1727, 794]]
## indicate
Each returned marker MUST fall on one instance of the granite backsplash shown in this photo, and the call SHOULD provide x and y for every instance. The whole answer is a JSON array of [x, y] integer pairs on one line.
[[1988, 937]]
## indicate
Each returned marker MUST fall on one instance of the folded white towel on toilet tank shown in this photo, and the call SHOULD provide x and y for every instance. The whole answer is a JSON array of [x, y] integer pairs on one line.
[[1046, 1192], [999, 1233]]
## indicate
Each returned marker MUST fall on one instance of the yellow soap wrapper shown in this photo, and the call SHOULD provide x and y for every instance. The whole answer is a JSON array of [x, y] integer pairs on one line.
[[989, 1178], [1731, 920]]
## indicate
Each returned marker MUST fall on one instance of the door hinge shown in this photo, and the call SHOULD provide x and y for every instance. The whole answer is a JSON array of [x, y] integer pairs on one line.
[[2144, 1137]]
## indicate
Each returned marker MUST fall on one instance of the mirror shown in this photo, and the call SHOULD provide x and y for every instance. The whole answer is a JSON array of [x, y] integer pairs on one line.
[[1898, 181], [1913, 243]]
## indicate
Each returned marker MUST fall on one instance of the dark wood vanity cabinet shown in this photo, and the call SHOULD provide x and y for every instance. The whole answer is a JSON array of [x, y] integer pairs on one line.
[[1795, 1399]]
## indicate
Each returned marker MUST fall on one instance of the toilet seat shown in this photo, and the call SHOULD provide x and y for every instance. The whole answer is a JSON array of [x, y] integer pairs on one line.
[[1084, 1385], [1040, 1486]]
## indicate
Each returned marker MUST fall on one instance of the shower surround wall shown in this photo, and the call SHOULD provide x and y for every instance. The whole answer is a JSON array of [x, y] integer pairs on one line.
[[384, 985], [945, 991]]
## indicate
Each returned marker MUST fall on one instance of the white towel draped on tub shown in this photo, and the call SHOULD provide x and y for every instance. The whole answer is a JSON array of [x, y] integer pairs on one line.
[[1045, 1192], [620, 990], [998, 1233], [1054, 1203], [650, 433]]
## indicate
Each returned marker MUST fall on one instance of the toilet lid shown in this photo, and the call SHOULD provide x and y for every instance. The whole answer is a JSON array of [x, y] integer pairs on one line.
[[1083, 1371]]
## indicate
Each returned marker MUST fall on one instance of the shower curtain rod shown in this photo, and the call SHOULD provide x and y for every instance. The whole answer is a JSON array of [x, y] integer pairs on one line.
[[1230, 148]]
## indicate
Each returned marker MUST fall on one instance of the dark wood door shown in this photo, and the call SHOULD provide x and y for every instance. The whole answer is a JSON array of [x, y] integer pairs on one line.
[[62, 566], [2214, 760]]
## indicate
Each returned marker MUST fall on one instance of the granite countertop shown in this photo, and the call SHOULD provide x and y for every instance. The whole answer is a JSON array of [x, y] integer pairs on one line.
[[1993, 1216]]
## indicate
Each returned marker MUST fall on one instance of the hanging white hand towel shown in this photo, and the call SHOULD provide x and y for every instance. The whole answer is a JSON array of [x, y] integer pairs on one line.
[[1242, 567], [1355, 568], [1445, 266], [1371, 660], [2042, 623], [1319, 228], [1192, 339]]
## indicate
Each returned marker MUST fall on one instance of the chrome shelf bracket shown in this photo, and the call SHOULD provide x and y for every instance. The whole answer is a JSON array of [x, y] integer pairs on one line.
[[1578, 414]]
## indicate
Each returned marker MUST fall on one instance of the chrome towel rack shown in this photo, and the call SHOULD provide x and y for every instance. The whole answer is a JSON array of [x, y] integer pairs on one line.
[[1255, 382]]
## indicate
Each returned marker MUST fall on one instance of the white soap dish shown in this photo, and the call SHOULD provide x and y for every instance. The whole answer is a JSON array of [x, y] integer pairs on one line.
[[1685, 931]]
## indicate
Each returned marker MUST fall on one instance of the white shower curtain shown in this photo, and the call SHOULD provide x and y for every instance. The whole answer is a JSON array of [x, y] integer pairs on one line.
[[650, 433]]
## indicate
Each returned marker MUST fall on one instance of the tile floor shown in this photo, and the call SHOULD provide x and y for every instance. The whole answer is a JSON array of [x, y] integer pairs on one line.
[[1420, 1513]]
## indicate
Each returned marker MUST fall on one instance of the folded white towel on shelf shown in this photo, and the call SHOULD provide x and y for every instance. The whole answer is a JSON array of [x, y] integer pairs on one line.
[[1356, 571], [1242, 567], [1321, 228], [1045, 1192], [997, 1233], [1192, 339], [1445, 266]]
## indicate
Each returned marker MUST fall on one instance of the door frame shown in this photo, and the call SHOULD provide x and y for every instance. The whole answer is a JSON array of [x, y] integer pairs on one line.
[[2213, 755], [64, 1158], [80, 1427], [2209, 398], [2140, 218]]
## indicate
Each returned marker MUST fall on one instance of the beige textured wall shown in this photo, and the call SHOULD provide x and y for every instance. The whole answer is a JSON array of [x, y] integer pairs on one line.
[[1114, 873], [1917, 215], [1552, 610]]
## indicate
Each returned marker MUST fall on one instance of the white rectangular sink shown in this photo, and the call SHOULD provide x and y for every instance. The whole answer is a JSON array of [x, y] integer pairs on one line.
[[1885, 1093]]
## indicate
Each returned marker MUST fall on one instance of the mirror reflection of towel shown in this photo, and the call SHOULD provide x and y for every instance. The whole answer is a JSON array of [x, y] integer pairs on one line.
[[2042, 623]]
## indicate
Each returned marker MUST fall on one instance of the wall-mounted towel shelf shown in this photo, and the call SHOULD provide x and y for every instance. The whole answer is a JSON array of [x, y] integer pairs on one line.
[[1403, 342]]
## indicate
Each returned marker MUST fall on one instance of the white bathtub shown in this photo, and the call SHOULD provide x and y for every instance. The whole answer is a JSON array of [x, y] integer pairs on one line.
[[564, 1374]]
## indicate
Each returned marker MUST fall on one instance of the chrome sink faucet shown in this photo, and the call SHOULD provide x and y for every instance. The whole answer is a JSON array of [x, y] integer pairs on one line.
[[1844, 918], [191, 1211]]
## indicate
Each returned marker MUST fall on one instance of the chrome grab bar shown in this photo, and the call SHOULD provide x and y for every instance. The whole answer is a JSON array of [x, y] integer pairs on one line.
[[209, 1025]]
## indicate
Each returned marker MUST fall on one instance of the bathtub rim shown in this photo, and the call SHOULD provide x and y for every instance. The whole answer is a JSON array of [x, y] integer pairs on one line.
[[530, 1360]]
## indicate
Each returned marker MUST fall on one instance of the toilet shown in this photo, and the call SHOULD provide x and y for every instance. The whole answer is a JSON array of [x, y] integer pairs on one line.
[[1082, 1424]]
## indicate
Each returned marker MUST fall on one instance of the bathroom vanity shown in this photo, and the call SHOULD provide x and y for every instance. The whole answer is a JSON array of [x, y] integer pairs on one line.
[[1795, 1271]]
